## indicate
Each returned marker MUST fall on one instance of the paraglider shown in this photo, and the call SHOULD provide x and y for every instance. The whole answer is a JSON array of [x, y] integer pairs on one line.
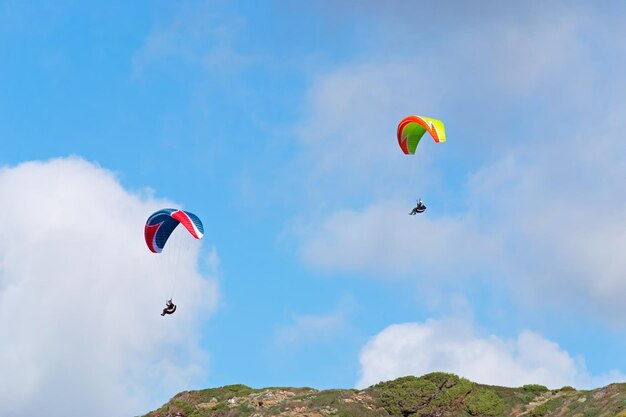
[[419, 208], [410, 132], [170, 307], [160, 226]]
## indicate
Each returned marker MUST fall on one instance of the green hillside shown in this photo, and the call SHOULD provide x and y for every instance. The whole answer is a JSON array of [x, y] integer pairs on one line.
[[432, 395]]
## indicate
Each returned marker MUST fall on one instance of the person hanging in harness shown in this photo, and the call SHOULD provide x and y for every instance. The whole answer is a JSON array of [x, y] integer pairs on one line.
[[170, 307], [419, 208]]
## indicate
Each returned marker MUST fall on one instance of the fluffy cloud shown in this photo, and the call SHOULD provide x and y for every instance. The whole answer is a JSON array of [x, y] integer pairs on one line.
[[384, 239], [80, 297], [559, 215], [454, 346]]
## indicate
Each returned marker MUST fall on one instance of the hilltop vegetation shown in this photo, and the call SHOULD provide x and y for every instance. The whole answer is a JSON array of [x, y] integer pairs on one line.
[[433, 395]]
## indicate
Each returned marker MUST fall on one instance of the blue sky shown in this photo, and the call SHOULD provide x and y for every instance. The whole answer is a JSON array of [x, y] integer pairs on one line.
[[275, 123]]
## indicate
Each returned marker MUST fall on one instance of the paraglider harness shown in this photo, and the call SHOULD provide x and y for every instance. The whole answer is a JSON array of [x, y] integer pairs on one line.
[[419, 208], [170, 307]]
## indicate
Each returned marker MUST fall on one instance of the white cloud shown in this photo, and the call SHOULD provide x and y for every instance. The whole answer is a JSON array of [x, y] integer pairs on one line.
[[559, 214], [80, 297], [383, 239], [454, 346]]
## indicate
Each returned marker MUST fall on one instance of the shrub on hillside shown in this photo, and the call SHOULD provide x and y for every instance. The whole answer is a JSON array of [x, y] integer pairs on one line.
[[408, 395], [484, 402], [535, 388]]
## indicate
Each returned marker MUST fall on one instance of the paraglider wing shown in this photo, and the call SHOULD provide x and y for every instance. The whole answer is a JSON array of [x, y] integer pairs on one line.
[[162, 223], [412, 128]]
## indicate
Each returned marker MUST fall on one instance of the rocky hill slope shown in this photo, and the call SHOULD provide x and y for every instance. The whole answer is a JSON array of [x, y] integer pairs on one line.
[[432, 395]]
